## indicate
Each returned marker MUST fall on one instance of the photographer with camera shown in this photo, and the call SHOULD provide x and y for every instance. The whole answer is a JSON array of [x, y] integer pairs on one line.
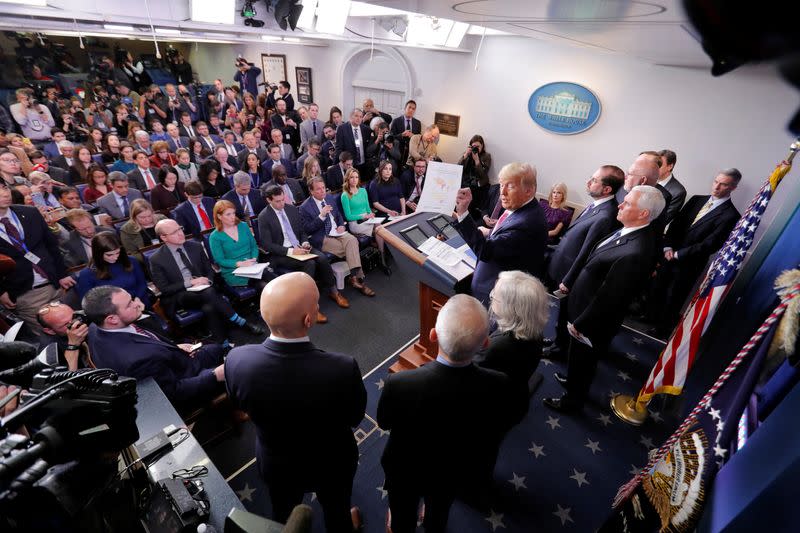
[[176, 104], [282, 89], [189, 102], [247, 76], [133, 69], [181, 68], [60, 324], [33, 118], [108, 74], [383, 148], [476, 162], [153, 105]]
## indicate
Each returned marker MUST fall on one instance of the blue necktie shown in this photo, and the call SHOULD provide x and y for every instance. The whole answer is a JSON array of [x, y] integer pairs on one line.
[[328, 225], [288, 229], [125, 212], [616, 235]]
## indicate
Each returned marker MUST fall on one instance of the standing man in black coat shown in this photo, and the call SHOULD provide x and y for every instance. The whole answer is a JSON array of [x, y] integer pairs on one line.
[[667, 179], [354, 137], [452, 408], [405, 126], [615, 271], [303, 401], [645, 171], [697, 232], [594, 223]]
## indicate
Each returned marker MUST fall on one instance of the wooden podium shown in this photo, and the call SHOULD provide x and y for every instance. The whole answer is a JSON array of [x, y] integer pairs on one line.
[[435, 285]]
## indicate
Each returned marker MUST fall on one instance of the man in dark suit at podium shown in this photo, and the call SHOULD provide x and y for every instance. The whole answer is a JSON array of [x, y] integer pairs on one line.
[[447, 420], [303, 401], [615, 271], [697, 232], [518, 239]]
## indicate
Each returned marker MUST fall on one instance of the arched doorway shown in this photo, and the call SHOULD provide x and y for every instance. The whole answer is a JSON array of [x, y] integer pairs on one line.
[[387, 78]]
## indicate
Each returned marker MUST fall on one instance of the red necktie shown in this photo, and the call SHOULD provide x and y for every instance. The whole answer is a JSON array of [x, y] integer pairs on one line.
[[204, 217], [500, 221], [149, 179]]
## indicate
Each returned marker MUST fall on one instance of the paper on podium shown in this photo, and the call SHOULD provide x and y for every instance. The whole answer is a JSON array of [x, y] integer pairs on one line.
[[302, 257], [253, 271], [446, 257], [442, 181]]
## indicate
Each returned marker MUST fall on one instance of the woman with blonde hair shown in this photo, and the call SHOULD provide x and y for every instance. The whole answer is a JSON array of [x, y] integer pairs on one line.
[[140, 230], [520, 305], [556, 212], [311, 169]]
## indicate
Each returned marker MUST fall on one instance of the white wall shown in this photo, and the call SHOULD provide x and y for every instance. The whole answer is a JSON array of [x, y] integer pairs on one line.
[[736, 120]]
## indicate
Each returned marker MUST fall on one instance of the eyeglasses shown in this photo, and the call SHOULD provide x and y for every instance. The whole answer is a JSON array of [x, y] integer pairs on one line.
[[9, 160]]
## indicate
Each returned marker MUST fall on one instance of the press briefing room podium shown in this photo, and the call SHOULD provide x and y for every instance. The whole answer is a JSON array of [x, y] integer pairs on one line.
[[436, 285]]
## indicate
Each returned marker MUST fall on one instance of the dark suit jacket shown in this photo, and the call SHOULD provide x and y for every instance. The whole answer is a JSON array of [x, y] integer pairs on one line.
[[173, 146], [137, 181], [518, 244], [696, 243], [241, 157], [271, 233], [161, 198], [661, 222], [184, 132], [184, 215], [267, 166], [398, 126], [579, 239], [51, 151], [294, 186], [334, 179], [167, 277], [61, 161], [611, 277], [408, 181], [464, 413], [108, 203], [678, 192], [257, 203], [321, 398], [39, 240], [346, 143], [186, 381], [73, 250], [516, 358], [291, 134], [313, 225]]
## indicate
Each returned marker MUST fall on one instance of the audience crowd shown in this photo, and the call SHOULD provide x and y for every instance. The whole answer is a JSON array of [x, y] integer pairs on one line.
[[144, 209]]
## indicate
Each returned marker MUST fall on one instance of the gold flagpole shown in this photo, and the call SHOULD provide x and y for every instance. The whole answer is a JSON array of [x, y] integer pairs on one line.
[[634, 410]]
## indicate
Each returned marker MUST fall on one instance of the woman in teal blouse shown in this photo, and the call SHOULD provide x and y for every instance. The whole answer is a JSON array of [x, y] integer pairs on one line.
[[233, 245], [357, 211]]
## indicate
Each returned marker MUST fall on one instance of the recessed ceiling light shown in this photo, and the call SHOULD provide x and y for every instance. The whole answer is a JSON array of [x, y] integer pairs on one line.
[[168, 31]]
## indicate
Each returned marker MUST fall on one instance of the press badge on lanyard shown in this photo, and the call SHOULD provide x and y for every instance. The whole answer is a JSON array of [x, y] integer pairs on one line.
[[30, 256]]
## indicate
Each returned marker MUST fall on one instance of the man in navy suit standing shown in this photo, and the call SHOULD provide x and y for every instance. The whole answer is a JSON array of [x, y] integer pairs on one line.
[[303, 402], [354, 137], [188, 378], [518, 239]]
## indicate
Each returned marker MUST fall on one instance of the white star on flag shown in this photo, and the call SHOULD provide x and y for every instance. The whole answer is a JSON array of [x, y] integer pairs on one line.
[[632, 356], [593, 445], [719, 451], [634, 471], [647, 442], [604, 419], [246, 494], [637, 340], [563, 514], [553, 422], [537, 450], [495, 519], [518, 481], [379, 383], [655, 415], [383, 492], [580, 477], [547, 362], [623, 376]]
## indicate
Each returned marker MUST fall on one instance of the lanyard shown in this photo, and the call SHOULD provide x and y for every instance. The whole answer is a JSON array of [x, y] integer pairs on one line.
[[11, 239]]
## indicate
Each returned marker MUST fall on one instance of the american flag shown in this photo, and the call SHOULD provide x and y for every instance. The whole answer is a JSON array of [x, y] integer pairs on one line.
[[675, 362]]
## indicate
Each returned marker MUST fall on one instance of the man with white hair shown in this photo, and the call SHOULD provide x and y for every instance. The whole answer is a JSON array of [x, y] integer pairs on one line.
[[615, 271], [455, 409]]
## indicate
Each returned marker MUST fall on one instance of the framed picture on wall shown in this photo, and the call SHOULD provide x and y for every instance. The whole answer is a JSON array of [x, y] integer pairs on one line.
[[273, 68], [304, 91]]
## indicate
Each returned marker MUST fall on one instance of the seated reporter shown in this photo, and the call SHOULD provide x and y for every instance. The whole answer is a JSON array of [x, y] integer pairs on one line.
[[194, 215], [77, 248], [60, 325], [97, 184], [386, 192], [246, 200], [282, 235], [188, 378], [325, 227], [291, 187], [111, 265], [140, 230], [355, 204], [233, 245], [169, 191], [214, 184], [161, 156], [180, 265], [520, 305]]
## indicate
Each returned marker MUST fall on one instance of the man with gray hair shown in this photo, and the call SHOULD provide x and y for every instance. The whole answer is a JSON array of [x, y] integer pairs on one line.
[[518, 239], [452, 407], [245, 199], [117, 202], [615, 271]]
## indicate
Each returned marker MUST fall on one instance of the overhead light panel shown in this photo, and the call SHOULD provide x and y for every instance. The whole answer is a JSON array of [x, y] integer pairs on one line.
[[306, 20], [363, 9], [118, 27], [167, 31], [213, 11], [332, 16], [430, 31], [41, 3], [457, 33]]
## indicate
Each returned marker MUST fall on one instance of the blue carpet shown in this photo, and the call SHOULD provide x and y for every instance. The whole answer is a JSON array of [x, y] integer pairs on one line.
[[553, 473]]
